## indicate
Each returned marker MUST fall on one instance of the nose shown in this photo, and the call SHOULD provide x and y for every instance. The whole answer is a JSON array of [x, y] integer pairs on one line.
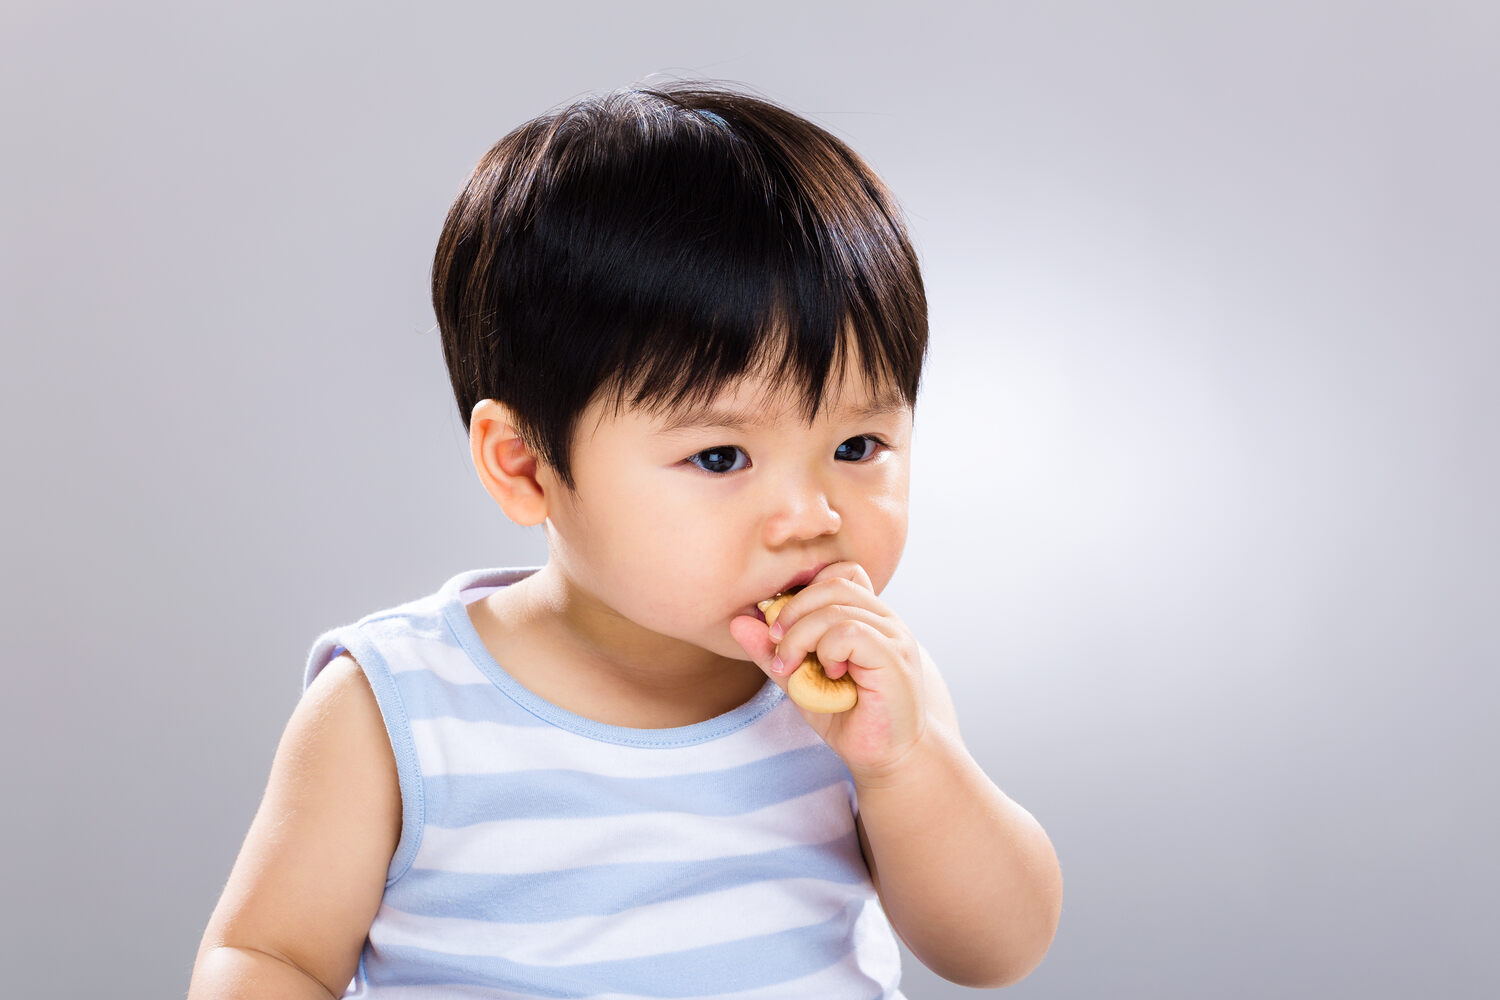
[[799, 510]]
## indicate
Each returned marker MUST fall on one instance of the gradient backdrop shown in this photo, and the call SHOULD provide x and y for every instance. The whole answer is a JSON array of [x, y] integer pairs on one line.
[[1204, 504]]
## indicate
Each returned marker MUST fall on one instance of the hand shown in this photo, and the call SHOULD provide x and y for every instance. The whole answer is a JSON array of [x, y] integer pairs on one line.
[[838, 617]]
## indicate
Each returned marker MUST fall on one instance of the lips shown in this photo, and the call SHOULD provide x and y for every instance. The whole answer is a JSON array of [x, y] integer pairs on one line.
[[802, 579]]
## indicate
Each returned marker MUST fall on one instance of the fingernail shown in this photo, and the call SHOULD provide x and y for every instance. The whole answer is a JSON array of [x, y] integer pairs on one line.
[[777, 666], [777, 631]]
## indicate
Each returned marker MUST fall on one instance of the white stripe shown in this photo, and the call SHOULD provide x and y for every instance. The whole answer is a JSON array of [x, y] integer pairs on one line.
[[874, 940], [525, 846], [460, 746], [710, 918], [841, 979], [406, 653]]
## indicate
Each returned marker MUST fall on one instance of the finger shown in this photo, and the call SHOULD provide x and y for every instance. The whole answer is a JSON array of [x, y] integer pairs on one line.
[[805, 634], [847, 570], [754, 639], [835, 590], [855, 647]]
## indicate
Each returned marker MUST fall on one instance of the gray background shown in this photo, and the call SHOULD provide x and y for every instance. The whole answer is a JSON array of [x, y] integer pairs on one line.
[[1203, 528]]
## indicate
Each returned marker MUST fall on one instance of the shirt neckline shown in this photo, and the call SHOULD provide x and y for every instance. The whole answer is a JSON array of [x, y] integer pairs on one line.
[[453, 609]]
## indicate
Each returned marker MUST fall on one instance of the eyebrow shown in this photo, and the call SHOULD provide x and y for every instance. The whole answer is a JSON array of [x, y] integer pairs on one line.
[[739, 420]]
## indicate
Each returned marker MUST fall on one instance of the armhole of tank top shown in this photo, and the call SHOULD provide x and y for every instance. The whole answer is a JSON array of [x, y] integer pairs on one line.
[[351, 638]]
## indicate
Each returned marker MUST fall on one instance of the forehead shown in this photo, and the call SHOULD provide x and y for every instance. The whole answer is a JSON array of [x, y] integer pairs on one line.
[[751, 401], [760, 400], [768, 410]]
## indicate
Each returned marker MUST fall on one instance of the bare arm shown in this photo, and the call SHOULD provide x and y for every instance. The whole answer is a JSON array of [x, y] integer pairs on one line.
[[227, 972], [968, 878], [311, 873]]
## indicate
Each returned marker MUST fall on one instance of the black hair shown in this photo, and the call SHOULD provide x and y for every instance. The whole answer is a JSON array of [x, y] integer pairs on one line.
[[656, 244]]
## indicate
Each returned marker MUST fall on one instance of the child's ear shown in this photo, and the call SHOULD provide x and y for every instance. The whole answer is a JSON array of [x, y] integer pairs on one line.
[[508, 470]]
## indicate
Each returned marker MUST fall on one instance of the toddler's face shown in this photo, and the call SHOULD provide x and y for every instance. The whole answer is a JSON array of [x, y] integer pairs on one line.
[[681, 530]]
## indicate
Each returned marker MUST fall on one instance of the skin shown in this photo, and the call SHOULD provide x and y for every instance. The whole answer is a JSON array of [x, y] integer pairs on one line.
[[644, 617], [714, 518]]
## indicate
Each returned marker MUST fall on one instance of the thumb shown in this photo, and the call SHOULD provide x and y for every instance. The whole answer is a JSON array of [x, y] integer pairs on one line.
[[754, 637]]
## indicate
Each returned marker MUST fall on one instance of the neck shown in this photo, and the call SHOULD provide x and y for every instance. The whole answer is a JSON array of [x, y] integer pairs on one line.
[[605, 643]]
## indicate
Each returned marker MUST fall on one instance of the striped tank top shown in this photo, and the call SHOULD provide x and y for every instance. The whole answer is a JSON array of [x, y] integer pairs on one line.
[[543, 854]]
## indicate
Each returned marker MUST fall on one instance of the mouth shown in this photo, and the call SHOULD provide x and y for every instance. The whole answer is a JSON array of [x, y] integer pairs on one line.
[[802, 579], [797, 582], [751, 611]]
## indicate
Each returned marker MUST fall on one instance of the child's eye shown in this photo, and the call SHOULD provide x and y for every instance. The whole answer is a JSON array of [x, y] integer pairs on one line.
[[719, 459], [862, 453], [723, 459]]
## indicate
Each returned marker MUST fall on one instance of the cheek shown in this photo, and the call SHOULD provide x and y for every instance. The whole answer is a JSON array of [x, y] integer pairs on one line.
[[884, 537], [651, 511], [671, 546]]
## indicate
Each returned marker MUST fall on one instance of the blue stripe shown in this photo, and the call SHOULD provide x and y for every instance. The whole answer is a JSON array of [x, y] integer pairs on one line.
[[596, 890], [749, 963], [428, 696], [458, 800]]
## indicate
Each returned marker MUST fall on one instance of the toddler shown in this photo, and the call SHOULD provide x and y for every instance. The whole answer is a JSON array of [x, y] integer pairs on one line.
[[685, 328]]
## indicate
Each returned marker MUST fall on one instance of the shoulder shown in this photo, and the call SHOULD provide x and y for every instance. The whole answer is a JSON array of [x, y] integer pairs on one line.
[[341, 687], [342, 678], [341, 723]]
